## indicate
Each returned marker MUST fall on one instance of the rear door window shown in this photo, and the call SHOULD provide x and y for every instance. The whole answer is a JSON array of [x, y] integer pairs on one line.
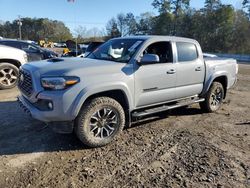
[[186, 51]]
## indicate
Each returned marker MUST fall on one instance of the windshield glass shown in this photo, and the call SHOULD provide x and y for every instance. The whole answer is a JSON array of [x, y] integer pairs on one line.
[[119, 50]]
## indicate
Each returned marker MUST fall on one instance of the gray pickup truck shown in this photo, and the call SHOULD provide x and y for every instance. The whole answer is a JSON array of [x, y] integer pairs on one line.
[[121, 81]]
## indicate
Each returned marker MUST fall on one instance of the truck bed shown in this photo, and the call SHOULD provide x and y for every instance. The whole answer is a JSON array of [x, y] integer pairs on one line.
[[222, 66]]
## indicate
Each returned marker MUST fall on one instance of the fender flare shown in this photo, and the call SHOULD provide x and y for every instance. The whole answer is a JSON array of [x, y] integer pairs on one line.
[[100, 88], [210, 80]]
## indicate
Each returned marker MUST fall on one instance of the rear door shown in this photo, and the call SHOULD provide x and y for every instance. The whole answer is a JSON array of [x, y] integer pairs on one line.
[[190, 69]]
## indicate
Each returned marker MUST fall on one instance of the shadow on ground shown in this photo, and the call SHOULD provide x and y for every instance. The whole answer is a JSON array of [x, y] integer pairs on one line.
[[20, 134]]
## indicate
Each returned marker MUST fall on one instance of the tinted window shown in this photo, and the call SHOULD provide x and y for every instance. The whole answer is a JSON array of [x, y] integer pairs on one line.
[[29, 48], [92, 46], [162, 49], [186, 51], [119, 50]]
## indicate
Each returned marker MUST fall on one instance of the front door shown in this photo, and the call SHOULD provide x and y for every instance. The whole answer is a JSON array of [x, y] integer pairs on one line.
[[155, 83]]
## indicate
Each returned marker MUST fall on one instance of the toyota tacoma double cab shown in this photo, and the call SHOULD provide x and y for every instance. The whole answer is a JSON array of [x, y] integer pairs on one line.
[[10, 61], [122, 80]]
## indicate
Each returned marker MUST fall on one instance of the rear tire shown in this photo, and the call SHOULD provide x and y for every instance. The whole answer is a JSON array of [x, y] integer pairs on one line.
[[100, 121], [8, 75], [213, 98]]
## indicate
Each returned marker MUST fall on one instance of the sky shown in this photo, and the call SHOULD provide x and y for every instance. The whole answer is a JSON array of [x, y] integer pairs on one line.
[[87, 13]]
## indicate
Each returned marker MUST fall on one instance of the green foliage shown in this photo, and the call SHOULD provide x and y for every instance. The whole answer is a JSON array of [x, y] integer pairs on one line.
[[171, 6], [163, 24], [173, 11], [37, 29], [246, 5], [145, 23], [211, 5], [128, 24], [240, 40], [112, 29], [218, 27]]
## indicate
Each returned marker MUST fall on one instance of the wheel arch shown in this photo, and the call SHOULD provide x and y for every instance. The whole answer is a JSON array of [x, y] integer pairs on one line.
[[224, 81], [221, 78], [119, 95], [11, 61]]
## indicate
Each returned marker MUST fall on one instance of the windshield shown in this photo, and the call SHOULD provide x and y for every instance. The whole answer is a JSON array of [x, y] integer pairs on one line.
[[119, 50]]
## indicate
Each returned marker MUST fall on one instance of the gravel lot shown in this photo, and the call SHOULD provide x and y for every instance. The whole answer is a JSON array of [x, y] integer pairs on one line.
[[181, 148]]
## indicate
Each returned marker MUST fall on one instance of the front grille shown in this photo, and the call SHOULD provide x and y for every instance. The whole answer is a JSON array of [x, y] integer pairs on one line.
[[25, 83], [25, 109]]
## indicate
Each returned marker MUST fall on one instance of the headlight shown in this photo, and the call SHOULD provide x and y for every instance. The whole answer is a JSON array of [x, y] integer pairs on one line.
[[58, 83]]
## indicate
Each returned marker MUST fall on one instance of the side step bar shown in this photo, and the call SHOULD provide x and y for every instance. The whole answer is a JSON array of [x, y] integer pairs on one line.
[[165, 108]]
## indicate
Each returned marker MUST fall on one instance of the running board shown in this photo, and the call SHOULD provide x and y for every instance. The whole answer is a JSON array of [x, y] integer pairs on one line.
[[165, 108]]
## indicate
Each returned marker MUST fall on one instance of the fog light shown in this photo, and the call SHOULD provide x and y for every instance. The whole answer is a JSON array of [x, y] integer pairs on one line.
[[50, 105]]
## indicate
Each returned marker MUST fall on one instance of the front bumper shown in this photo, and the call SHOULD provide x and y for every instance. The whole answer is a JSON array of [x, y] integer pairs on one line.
[[56, 115], [61, 126]]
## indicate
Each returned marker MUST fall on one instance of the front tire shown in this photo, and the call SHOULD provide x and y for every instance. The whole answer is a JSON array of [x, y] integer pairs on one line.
[[213, 98], [100, 121], [8, 76]]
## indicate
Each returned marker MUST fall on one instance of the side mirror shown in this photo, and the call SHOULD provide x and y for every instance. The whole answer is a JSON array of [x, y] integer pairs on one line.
[[149, 59]]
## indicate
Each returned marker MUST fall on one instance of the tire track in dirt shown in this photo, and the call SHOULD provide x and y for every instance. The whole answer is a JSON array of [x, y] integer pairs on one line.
[[129, 168]]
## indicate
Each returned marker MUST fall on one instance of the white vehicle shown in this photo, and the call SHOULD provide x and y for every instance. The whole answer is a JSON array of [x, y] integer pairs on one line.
[[10, 61], [209, 55]]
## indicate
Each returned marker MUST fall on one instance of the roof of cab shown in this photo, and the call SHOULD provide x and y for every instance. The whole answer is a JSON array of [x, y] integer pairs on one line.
[[161, 37]]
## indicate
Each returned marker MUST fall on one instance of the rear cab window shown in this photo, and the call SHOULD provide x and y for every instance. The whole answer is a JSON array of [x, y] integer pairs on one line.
[[186, 51]]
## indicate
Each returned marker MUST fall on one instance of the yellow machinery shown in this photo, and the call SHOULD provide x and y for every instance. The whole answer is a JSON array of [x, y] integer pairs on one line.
[[46, 44]]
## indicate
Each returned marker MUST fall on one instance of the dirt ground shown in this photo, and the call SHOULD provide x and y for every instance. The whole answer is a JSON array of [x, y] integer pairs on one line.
[[186, 148]]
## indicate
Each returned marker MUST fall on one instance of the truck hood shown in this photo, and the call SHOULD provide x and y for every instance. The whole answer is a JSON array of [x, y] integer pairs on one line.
[[71, 66]]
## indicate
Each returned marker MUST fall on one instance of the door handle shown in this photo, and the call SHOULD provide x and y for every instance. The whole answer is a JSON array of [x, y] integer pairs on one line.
[[171, 71], [198, 69]]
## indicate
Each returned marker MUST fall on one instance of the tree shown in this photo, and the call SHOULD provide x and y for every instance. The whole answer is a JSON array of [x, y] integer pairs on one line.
[[81, 32], [163, 6], [145, 23], [94, 32], [171, 6], [37, 29], [240, 40], [173, 11], [121, 21], [211, 5], [122, 25], [218, 27], [112, 29], [163, 24], [246, 5], [132, 26]]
